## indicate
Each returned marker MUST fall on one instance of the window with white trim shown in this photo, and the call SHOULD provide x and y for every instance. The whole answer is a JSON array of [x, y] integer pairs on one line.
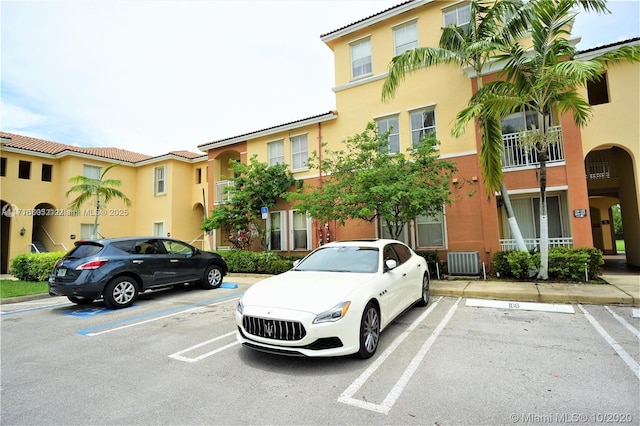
[[430, 230], [361, 58], [276, 226], [405, 37], [275, 151], [423, 122], [91, 172], [86, 231], [384, 232], [158, 229], [460, 17], [299, 152], [159, 180], [300, 230], [390, 124]]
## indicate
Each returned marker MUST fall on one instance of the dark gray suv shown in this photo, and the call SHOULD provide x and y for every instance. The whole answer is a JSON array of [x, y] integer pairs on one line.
[[120, 268]]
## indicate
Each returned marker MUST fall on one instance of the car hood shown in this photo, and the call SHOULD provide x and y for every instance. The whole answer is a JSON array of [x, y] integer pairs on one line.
[[305, 290]]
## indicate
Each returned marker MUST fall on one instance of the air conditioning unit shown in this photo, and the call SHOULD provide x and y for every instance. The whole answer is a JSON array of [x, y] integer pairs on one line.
[[463, 262]]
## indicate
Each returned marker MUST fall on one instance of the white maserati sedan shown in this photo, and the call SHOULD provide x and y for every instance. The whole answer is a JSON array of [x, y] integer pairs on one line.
[[335, 301]]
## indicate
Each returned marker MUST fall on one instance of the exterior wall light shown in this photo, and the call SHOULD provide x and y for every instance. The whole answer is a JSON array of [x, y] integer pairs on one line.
[[23, 231]]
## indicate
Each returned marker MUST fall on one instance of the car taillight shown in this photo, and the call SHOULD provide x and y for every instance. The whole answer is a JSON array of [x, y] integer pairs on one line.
[[94, 264]]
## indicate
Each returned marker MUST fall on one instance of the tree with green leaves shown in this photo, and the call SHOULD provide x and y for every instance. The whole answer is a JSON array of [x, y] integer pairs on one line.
[[472, 47], [101, 191], [366, 181], [254, 186], [544, 79]]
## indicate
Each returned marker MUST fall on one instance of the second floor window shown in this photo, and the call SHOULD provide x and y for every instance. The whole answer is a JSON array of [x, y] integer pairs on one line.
[[423, 123], [91, 172], [405, 38], [159, 180], [597, 91], [299, 152], [460, 17], [390, 124], [361, 58], [276, 152], [3, 166], [24, 169], [47, 171]]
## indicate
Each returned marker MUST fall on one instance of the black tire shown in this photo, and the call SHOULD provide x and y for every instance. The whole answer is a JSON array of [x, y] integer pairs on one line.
[[212, 277], [424, 299], [80, 300], [121, 292], [369, 331]]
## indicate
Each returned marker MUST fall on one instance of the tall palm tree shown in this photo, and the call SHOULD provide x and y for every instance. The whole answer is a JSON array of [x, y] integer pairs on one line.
[[104, 190], [545, 79], [472, 46]]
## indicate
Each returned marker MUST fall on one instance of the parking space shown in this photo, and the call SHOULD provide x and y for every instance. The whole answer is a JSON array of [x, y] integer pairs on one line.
[[172, 358]]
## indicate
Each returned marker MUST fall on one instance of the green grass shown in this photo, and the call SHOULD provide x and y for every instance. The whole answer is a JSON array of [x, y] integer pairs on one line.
[[619, 245], [12, 288]]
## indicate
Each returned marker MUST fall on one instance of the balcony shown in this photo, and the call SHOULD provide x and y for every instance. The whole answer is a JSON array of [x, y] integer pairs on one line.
[[221, 194], [517, 155], [534, 243]]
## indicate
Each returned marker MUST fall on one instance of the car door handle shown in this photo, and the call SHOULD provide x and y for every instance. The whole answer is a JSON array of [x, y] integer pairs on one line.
[[138, 261], [174, 261]]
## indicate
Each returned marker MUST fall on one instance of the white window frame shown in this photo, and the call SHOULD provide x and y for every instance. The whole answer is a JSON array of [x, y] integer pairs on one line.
[[441, 219], [278, 156], [424, 130], [86, 229], [361, 58], [282, 227], [394, 131], [409, 30], [457, 15], [292, 230], [299, 154], [90, 171], [158, 180], [384, 231], [158, 229]]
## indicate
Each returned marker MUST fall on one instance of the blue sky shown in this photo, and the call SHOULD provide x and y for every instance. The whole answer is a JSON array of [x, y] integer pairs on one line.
[[156, 76]]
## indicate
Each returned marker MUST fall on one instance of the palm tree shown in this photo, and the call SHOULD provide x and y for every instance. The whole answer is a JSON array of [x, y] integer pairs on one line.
[[472, 46], [103, 190], [544, 79]]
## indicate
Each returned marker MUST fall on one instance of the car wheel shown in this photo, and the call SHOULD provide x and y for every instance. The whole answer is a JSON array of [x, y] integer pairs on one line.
[[369, 331], [80, 300], [424, 300], [120, 293], [212, 277]]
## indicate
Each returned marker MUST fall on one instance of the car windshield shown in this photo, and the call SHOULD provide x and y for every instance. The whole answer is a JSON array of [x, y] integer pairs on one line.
[[341, 259]]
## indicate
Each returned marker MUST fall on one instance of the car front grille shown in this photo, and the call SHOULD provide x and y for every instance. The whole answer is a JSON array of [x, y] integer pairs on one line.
[[274, 329]]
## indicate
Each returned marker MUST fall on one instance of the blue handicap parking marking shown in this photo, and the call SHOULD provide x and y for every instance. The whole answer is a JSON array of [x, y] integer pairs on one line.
[[87, 312], [228, 285]]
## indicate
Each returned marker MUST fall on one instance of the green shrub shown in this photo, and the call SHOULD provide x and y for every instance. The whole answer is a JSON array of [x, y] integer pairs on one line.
[[431, 256], [565, 264], [521, 262], [34, 266], [250, 262]]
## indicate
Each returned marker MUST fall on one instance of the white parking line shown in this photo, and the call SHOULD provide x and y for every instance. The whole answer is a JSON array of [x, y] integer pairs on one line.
[[347, 396], [178, 355], [628, 359], [624, 322]]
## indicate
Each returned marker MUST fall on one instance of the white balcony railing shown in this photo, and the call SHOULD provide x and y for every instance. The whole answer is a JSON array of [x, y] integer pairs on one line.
[[534, 243], [515, 154], [221, 194], [598, 170]]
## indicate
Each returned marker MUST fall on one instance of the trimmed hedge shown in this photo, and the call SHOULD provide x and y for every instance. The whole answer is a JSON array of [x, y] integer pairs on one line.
[[262, 262], [34, 266], [565, 264]]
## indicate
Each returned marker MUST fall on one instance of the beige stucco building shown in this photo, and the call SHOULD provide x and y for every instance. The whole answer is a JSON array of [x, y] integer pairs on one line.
[[589, 169]]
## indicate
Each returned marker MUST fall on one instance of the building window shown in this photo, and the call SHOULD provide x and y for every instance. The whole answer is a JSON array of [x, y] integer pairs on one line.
[[361, 58], [47, 170], [86, 231], [198, 176], [24, 169], [300, 230], [159, 180], [3, 166], [390, 125], [423, 123], [460, 17], [384, 232], [277, 240], [430, 231], [598, 91], [91, 172], [527, 213], [405, 38], [158, 229], [299, 152], [519, 121], [276, 152]]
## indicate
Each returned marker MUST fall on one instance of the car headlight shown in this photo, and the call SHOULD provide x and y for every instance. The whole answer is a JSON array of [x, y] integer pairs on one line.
[[333, 314], [240, 307]]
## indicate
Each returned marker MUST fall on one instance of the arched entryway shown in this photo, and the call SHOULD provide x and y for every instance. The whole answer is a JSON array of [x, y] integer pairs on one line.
[[611, 181]]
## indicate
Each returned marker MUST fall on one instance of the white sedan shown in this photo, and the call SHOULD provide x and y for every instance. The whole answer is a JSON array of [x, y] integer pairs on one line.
[[335, 301]]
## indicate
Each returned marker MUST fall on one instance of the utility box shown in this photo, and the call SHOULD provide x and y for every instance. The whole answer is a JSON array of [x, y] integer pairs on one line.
[[463, 262]]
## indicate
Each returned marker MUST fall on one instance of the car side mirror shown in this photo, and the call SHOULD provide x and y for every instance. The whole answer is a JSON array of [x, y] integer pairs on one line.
[[390, 264]]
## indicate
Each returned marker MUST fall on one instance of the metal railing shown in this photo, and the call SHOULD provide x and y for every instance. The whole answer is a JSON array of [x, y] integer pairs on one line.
[[534, 243], [51, 239], [598, 170], [515, 154]]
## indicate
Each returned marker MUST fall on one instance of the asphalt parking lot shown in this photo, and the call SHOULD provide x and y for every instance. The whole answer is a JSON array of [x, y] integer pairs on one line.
[[172, 358]]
